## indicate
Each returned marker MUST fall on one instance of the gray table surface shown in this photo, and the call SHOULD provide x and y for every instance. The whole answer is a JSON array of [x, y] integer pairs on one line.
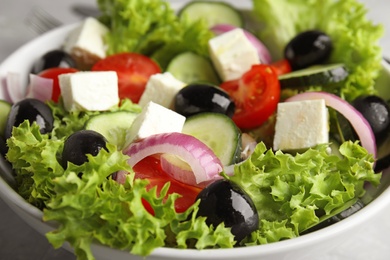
[[19, 241]]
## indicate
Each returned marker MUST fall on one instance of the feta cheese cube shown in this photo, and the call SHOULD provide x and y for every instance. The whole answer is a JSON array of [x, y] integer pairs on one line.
[[89, 90], [232, 54], [161, 89], [155, 119], [301, 125], [85, 43]]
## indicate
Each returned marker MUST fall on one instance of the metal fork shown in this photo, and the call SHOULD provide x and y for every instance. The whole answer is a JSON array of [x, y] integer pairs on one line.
[[40, 21]]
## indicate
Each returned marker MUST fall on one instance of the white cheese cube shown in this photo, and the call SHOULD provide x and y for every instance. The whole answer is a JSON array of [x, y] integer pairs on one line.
[[85, 43], [155, 119], [161, 89], [232, 54], [89, 90], [301, 125]]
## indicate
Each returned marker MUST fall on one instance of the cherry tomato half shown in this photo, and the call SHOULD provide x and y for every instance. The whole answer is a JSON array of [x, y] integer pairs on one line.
[[282, 66], [149, 168], [256, 95], [53, 73], [133, 71]]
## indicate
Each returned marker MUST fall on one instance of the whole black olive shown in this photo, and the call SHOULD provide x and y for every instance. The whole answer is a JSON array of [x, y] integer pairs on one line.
[[197, 98], [81, 143], [377, 112], [32, 110], [308, 48], [52, 59], [223, 201]]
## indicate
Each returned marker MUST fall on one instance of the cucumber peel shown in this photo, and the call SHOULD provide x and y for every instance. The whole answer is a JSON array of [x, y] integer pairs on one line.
[[319, 75], [226, 143], [213, 13], [190, 68]]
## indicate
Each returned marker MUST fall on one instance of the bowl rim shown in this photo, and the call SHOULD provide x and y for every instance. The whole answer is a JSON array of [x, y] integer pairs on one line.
[[371, 209]]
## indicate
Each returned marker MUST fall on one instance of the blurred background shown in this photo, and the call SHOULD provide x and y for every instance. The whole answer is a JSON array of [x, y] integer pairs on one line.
[[14, 13], [19, 241]]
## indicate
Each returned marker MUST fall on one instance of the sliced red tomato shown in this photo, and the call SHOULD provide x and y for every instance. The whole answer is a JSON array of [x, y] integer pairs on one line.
[[53, 73], [256, 95], [149, 168], [134, 71], [282, 66]]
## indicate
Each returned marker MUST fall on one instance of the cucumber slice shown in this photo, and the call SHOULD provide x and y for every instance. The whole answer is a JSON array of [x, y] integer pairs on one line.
[[218, 132], [213, 12], [113, 126], [5, 107], [190, 67], [318, 75]]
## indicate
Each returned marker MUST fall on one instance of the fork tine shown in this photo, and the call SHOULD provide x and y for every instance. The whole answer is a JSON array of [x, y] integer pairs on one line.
[[40, 21]]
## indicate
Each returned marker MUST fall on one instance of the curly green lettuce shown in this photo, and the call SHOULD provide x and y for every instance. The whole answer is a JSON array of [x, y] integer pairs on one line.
[[294, 193], [33, 154], [291, 194], [34, 159], [66, 123], [90, 207], [147, 26], [355, 38]]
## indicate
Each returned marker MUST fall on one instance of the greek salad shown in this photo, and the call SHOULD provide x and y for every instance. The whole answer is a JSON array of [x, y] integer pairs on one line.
[[207, 127]]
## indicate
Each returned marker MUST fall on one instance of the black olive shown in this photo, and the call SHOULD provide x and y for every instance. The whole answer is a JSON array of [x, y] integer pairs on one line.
[[197, 98], [81, 143], [53, 59], [377, 112], [223, 201], [382, 163], [308, 48], [32, 110]]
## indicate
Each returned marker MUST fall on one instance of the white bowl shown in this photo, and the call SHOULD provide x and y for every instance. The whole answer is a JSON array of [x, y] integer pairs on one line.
[[304, 247]]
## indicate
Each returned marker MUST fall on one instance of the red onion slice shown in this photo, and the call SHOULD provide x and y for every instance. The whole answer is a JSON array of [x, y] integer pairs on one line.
[[14, 87], [358, 122], [177, 168], [204, 164], [40, 88], [180, 170], [264, 54], [120, 177], [4, 90]]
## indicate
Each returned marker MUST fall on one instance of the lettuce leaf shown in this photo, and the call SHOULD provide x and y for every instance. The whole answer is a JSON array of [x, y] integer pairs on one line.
[[66, 123], [33, 158], [95, 208], [146, 26], [355, 38], [132, 21], [193, 37], [293, 193]]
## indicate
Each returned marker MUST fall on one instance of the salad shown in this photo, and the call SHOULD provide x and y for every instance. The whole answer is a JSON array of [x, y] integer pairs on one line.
[[146, 169]]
